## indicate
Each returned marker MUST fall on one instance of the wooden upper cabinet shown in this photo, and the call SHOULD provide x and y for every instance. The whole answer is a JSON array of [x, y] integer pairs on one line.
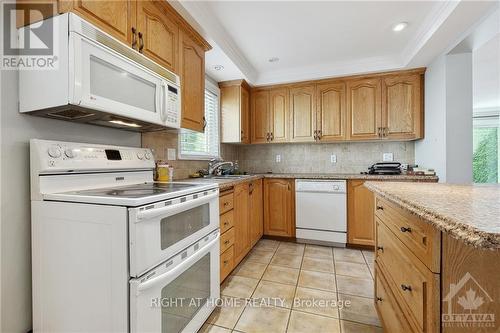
[[260, 116], [192, 73], [241, 221], [360, 214], [235, 112], [302, 114], [402, 112], [114, 17], [279, 207], [278, 115], [331, 111], [160, 34], [364, 114]]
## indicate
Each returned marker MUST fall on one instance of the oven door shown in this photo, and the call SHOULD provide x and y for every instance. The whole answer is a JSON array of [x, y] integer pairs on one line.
[[159, 231], [180, 294]]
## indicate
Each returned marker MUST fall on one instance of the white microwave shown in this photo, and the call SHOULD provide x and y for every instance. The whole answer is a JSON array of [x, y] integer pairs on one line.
[[101, 81]]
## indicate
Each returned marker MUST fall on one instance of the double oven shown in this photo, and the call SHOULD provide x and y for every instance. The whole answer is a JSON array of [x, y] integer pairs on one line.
[[134, 255]]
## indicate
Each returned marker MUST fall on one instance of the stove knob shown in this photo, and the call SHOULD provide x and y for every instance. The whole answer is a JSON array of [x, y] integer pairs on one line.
[[54, 152], [70, 153], [147, 155], [140, 155]]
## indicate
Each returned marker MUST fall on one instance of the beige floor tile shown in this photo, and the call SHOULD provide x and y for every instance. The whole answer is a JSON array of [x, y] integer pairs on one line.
[[369, 256], [281, 274], [361, 310], [316, 302], [250, 269], [227, 315], [207, 328], [286, 260], [316, 251], [301, 322], [355, 286], [290, 249], [352, 269], [275, 294], [351, 327], [238, 286], [263, 257], [267, 245], [317, 280], [263, 320], [318, 264], [349, 255]]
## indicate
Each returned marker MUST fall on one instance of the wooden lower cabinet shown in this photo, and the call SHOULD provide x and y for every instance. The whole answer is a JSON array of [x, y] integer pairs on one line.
[[226, 263], [256, 211], [360, 214], [241, 221], [279, 207]]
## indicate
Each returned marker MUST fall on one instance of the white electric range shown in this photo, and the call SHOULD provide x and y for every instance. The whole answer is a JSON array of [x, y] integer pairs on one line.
[[112, 251]]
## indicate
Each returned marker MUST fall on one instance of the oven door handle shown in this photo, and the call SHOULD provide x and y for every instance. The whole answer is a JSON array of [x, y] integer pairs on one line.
[[182, 266], [174, 209]]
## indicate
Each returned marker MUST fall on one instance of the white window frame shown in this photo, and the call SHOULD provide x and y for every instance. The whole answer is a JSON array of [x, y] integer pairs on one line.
[[213, 88]]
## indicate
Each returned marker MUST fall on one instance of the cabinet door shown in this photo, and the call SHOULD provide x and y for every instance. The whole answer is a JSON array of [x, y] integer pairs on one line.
[[245, 115], [278, 115], [241, 223], [260, 116], [230, 114], [360, 214], [402, 107], [160, 35], [302, 114], [114, 17], [331, 111], [256, 212], [279, 207], [192, 72], [364, 114]]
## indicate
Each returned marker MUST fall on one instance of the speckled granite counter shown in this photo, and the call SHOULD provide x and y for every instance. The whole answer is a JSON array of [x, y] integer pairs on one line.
[[467, 212], [226, 183]]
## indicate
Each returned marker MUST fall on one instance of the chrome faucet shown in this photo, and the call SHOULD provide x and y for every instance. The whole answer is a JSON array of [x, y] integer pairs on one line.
[[215, 164]]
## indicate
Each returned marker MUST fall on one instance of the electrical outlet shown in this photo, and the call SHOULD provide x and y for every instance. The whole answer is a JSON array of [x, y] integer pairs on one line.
[[278, 158], [388, 157], [333, 158], [171, 156]]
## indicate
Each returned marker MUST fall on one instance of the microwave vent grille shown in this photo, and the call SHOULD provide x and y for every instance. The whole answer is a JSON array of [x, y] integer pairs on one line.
[[71, 114]]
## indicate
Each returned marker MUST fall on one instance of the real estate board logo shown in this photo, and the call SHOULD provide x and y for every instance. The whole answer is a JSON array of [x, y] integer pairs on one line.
[[466, 303], [33, 46]]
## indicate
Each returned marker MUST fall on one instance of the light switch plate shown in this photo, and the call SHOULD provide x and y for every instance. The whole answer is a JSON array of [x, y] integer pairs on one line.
[[278, 158], [171, 156], [388, 157], [333, 158]]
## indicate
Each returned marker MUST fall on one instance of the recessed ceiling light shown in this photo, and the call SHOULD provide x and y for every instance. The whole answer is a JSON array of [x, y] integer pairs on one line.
[[274, 59], [399, 26], [218, 67]]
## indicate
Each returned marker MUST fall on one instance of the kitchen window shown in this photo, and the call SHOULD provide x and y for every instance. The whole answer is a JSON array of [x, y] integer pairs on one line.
[[486, 141], [203, 146]]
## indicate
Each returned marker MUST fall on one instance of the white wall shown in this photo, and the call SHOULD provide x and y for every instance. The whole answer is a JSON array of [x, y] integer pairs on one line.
[[15, 250]]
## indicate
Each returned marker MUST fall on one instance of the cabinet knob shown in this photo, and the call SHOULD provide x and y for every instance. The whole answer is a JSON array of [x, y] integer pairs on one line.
[[405, 287], [380, 248], [226, 223], [380, 208], [315, 135], [379, 299], [405, 229], [319, 134], [226, 242], [226, 203], [226, 262]]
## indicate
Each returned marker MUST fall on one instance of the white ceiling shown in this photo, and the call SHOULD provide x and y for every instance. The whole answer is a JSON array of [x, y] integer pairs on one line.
[[316, 39]]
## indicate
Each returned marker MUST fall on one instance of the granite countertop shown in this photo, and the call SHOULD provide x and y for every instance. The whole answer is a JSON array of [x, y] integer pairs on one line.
[[227, 183], [467, 212]]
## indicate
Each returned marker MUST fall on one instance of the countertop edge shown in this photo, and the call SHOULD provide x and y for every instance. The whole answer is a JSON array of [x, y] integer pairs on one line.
[[456, 229]]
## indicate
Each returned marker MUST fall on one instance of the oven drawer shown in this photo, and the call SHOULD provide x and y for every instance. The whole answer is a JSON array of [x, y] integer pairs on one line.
[[226, 263], [423, 240], [414, 285], [226, 240], [226, 221], [226, 203]]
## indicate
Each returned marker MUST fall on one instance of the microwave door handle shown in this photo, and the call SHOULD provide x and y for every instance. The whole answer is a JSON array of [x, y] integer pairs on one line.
[[158, 99], [174, 209], [183, 265], [164, 99]]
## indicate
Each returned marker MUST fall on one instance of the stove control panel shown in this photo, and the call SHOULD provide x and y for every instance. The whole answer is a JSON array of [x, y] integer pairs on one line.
[[70, 157]]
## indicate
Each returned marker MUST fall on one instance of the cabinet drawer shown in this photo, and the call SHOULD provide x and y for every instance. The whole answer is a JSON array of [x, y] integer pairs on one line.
[[413, 285], [226, 263], [389, 312], [226, 203], [423, 240], [226, 240], [226, 221]]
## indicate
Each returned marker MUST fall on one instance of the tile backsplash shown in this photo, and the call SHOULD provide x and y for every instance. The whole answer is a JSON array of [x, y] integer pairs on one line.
[[352, 157]]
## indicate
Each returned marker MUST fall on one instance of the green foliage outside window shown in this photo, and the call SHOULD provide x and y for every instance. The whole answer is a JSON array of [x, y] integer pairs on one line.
[[485, 158]]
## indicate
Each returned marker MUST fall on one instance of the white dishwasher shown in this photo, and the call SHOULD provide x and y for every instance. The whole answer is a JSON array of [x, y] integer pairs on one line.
[[320, 213]]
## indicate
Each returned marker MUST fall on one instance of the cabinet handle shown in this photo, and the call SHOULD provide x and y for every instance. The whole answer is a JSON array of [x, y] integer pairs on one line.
[[380, 248], [379, 299], [272, 136], [226, 223], [226, 242], [134, 38], [385, 130], [226, 262], [315, 135], [141, 42], [267, 137], [405, 229], [204, 124], [379, 132], [242, 136], [380, 208], [288, 186], [319, 134], [405, 287], [225, 203]]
